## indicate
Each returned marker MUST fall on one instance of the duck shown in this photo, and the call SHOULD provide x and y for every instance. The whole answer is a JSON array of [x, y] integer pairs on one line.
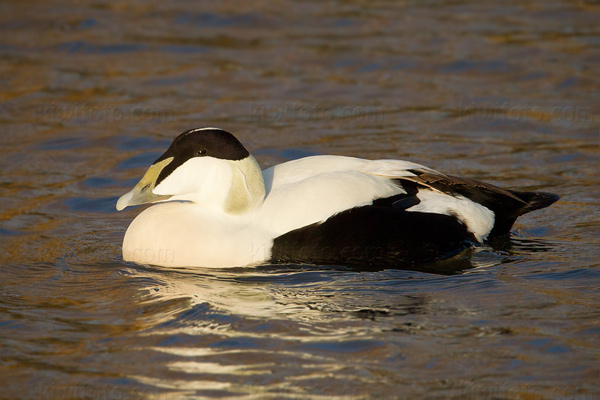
[[214, 207]]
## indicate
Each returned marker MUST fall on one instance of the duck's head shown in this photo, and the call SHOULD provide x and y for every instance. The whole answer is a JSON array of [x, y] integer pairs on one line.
[[208, 166]]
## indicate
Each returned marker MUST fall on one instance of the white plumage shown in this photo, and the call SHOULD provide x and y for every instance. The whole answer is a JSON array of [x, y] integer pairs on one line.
[[218, 209]]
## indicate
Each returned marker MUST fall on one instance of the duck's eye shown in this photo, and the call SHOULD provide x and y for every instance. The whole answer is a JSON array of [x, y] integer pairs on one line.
[[200, 153]]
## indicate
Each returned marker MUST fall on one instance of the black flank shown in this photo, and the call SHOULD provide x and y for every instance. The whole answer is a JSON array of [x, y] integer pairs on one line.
[[375, 235]]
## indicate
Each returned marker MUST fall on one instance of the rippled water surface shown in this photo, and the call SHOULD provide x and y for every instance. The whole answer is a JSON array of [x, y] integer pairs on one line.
[[92, 92]]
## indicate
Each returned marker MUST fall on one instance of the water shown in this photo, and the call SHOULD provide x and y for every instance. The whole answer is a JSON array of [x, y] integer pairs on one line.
[[92, 92]]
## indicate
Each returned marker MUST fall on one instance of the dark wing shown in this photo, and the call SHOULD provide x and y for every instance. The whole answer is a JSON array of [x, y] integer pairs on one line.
[[386, 234]]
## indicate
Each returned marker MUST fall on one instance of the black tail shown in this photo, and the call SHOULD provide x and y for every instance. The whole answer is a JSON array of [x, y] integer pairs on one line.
[[534, 200], [531, 201]]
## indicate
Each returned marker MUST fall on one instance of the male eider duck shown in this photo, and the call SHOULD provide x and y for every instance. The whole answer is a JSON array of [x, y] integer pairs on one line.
[[216, 208]]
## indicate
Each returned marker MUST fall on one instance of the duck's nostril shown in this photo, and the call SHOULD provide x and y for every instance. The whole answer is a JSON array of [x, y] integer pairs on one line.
[[145, 187]]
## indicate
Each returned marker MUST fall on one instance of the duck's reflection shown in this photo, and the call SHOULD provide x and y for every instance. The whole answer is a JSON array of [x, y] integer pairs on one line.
[[214, 298], [234, 325]]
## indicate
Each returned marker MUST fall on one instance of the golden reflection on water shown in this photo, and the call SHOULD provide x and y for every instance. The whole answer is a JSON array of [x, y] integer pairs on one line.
[[91, 94]]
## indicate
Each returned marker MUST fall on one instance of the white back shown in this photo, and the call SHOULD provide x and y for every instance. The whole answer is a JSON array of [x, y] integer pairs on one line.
[[308, 190]]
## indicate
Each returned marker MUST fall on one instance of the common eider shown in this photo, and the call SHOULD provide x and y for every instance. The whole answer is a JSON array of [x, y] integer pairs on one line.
[[217, 208]]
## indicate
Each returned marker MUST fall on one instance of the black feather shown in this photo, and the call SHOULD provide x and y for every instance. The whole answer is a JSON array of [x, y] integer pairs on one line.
[[199, 143], [374, 235]]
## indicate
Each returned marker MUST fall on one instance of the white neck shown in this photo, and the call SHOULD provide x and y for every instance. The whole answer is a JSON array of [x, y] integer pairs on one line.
[[232, 187]]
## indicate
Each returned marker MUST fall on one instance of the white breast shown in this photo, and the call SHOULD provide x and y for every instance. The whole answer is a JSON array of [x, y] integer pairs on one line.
[[175, 234]]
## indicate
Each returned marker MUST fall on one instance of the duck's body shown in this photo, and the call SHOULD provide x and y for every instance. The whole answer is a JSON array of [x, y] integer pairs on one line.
[[223, 211]]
